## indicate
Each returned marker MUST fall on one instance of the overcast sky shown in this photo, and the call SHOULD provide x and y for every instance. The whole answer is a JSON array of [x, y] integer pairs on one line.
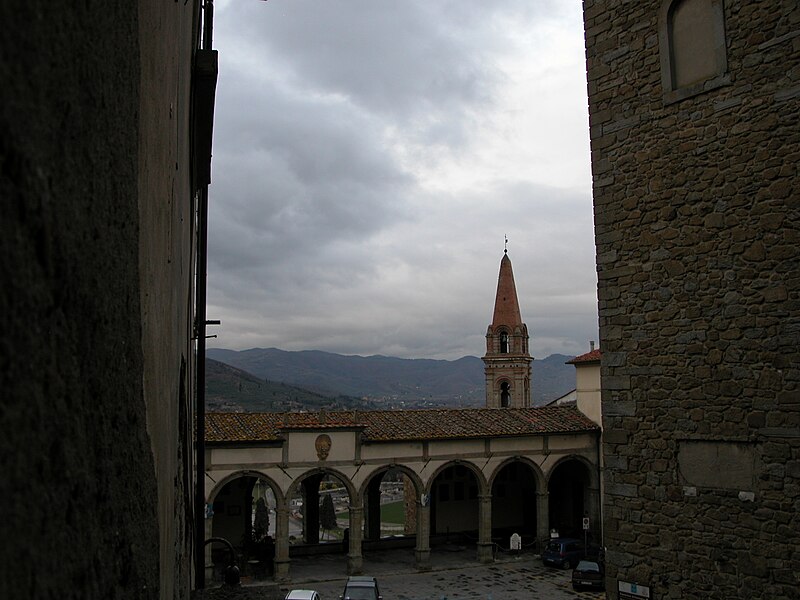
[[371, 155]]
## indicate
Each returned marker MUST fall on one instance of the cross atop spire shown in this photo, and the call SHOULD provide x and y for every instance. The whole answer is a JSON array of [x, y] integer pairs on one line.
[[505, 250]]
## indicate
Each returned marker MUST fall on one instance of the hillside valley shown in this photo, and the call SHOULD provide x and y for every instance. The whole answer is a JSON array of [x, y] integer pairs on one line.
[[269, 379]]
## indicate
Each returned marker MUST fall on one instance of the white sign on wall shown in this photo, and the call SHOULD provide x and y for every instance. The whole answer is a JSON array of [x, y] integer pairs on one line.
[[632, 591]]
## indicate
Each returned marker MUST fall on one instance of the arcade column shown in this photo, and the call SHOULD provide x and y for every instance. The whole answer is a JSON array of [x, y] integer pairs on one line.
[[485, 528], [355, 560], [281, 561], [542, 519], [422, 553]]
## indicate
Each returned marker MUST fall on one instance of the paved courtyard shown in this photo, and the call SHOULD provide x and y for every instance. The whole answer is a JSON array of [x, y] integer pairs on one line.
[[455, 575]]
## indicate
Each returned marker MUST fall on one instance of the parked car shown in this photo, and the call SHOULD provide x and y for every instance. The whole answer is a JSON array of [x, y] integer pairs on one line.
[[588, 574], [563, 552], [302, 595], [361, 588]]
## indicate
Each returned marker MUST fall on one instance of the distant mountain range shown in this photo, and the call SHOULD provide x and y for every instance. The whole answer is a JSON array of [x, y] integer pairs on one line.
[[229, 389], [273, 379]]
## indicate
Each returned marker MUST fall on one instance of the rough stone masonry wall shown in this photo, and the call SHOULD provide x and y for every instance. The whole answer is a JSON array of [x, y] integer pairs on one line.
[[697, 224], [78, 479]]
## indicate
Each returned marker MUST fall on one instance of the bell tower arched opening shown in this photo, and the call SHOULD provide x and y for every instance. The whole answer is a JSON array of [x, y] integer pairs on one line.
[[505, 394]]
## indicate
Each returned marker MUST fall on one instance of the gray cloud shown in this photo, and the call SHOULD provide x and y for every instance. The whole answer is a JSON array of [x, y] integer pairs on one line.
[[363, 179], [389, 57]]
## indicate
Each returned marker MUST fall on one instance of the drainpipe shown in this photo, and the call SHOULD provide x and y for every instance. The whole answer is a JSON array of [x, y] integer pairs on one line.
[[204, 83], [599, 447]]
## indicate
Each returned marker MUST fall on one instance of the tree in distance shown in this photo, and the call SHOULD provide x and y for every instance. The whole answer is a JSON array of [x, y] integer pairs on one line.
[[327, 515]]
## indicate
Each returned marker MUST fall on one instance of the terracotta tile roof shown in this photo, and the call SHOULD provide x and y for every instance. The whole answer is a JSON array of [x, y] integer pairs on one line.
[[593, 356], [240, 427], [395, 425]]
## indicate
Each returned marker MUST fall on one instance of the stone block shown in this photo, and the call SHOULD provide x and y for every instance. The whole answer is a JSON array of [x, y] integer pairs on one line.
[[621, 408], [626, 490], [617, 382], [717, 464]]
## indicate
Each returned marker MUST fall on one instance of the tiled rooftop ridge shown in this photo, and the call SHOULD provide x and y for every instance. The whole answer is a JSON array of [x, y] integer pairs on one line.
[[593, 356], [395, 425]]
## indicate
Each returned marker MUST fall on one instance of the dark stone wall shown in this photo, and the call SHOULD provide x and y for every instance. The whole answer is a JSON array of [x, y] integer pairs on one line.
[[697, 224], [79, 479], [166, 266]]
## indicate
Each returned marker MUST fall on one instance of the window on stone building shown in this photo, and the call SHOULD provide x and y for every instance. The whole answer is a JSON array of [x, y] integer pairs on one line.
[[505, 394], [504, 343], [692, 47]]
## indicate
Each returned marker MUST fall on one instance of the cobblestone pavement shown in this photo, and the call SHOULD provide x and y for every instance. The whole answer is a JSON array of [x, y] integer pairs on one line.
[[455, 575]]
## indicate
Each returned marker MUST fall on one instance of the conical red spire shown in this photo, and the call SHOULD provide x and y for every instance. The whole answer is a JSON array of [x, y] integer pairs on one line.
[[506, 305]]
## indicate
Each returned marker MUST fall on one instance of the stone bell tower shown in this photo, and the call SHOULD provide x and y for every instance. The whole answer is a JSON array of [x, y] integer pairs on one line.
[[507, 360]]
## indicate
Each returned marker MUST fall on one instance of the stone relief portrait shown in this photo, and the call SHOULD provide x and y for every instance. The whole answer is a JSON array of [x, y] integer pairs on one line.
[[323, 446]]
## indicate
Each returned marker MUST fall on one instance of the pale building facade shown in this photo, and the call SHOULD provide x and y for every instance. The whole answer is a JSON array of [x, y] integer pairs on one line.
[[477, 474], [587, 384]]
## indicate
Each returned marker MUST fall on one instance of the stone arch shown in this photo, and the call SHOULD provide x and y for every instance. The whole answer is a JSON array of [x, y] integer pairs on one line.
[[234, 509], [573, 494], [541, 481], [515, 486], [370, 496], [455, 491], [590, 467], [351, 489], [308, 485], [407, 471], [276, 490], [482, 482]]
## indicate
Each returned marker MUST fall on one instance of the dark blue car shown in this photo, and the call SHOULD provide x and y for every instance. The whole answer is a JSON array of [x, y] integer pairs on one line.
[[563, 553]]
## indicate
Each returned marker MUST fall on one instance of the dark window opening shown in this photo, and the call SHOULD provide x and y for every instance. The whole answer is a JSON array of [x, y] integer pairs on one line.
[[505, 394]]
